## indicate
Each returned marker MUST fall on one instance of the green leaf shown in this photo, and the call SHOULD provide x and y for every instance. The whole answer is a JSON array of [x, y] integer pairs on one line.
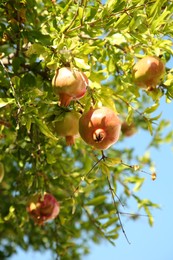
[[38, 49], [150, 217], [11, 214], [150, 127], [112, 161], [151, 109], [86, 49], [129, 118], [80, 63], [28, 124], [53, 65], [110, 4], [121, 21], [114, 5], [155, 118], [135, 180], [110, 222], [105, 169], [6, 101], [51, 158], [73, 206], [44, 129], [97, 201]]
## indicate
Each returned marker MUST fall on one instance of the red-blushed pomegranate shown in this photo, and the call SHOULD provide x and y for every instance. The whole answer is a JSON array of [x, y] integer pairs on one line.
[[70, 84], [128, 129], [42, 208], [148, 72], [68, 126], [100, 127]]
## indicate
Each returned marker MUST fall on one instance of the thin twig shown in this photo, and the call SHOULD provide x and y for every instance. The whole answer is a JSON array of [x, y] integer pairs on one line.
[[92, 220], [84, 177], [72, 21], [117, 212], [92, 23], [137, 168], [133, 214]]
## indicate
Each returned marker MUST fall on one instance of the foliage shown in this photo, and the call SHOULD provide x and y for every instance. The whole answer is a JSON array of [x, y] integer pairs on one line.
[[104, 40]]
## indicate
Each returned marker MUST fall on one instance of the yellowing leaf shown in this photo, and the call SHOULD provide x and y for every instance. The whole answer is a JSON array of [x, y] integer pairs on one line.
[[80, 63], [5, 101], [153, 176], [151, 109], [113, 161]]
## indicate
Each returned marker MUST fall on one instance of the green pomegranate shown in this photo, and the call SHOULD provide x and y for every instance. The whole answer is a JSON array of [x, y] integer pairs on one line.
[[70, 84], [68, 126], [148, 72], [100, 127]]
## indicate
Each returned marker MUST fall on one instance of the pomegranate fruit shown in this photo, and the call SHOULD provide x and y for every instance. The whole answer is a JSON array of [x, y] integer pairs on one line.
[[68, 126], [100, 127], [69, 84], [128, 129], [42, 208], [148, 72]]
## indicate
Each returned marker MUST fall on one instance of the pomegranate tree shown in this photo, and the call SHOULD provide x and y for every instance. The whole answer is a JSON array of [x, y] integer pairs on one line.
[[100, 127], [42, 208], [148, 72], [69, 84], [68, 126]]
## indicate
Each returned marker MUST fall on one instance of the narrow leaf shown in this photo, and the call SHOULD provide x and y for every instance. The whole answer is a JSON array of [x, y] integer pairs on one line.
[[5, 101], [44, 129], [97, 201]]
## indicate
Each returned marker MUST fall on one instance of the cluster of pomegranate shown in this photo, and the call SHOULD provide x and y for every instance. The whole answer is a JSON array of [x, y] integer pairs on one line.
[[42, 208], [98, 127]]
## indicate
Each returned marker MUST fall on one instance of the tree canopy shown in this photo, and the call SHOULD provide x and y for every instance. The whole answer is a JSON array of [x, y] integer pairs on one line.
[[104, 40]]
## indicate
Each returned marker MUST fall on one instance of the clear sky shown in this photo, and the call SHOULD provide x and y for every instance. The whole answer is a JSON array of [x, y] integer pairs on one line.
[[146, 243]]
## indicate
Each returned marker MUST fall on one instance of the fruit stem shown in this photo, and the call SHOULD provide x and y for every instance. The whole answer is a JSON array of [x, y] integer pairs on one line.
[[65, 99], [69, 140]]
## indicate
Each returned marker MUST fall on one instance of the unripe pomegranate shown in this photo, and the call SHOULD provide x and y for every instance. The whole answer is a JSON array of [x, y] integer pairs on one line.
[[100, 127], [148, 72], [43, 208], [68, 126], [128, 129], [69, 84]]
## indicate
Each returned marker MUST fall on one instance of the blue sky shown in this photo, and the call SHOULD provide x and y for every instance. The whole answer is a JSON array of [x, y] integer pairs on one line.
[[146, 242]]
